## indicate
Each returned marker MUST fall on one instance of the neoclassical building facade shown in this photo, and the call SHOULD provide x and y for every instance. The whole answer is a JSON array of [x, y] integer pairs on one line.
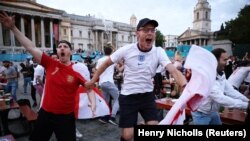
[[171, 41], [45, 26], [201, 33]]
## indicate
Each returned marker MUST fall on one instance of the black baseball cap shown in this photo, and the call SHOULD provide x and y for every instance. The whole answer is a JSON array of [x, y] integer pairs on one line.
[[145, 21]]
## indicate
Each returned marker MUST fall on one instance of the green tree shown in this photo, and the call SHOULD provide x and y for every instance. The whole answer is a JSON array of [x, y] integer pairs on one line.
[[237, 30], [240, 31], [222, 27], [159, 41], [221, 34]]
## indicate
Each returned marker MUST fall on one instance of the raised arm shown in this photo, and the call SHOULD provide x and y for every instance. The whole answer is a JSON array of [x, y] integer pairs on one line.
[[9, 22], [98, 72], [178, 76]]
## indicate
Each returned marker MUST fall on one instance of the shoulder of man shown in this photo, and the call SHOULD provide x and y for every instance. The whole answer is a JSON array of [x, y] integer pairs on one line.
[[79, 66], [128, 46]]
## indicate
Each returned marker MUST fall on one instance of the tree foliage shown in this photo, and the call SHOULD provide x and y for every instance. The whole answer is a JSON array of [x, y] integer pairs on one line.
[[237, 30], [159, 41]]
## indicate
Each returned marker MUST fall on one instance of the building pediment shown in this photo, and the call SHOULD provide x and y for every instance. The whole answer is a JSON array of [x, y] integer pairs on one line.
[[29, 5], [192, 34], [189, 33], [184, 34]]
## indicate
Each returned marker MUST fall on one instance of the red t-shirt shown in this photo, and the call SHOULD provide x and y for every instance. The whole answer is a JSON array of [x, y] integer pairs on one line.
[[61, 85]]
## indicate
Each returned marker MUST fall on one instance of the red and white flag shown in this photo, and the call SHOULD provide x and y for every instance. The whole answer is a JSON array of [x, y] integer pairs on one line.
[[203, 65], [82, 108]]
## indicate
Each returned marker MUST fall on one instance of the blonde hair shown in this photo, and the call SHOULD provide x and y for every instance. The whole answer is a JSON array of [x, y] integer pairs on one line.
[[177, 56]]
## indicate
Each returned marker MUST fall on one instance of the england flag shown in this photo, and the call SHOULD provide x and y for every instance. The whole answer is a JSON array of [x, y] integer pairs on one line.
[[203, 65], [82, 108]]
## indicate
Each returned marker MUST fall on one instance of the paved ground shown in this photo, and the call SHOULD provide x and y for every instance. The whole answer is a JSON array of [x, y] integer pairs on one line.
[[92, 130]]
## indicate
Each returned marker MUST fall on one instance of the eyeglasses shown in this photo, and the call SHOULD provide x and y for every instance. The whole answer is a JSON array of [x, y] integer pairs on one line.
[[146, 30]]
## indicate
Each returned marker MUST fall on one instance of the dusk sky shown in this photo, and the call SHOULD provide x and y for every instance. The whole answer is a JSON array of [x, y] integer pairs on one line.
[[173, 16]]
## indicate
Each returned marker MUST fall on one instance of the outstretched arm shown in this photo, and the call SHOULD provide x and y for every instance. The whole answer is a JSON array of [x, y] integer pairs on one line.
[[98, 72], [9, 22], [178, 76]]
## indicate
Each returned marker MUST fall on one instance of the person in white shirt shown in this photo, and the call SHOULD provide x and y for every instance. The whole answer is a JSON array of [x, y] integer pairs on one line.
[[86, 74], [222, 94], [108, 87], [247, 79], [38, 78], [2, 68], [178, 60], [238, 76], [140, 63], [2, 79], [247, 82]]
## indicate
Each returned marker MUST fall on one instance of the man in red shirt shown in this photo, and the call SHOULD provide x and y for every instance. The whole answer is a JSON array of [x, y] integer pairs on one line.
[[62, 81]]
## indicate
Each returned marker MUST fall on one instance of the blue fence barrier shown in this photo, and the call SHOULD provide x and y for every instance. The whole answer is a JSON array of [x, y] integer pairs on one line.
[[170, 53], [184, 49], [23, 57], [14, 57]]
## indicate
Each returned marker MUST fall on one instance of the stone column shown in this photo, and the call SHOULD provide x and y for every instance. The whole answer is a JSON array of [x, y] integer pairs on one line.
[[12, 39], [116, 41], [33, 37], [96, 41], [111, 37], [200, 44], [22, 25], [42, 34], [51, 33], [204, 42], [102, 40], [1, 35]]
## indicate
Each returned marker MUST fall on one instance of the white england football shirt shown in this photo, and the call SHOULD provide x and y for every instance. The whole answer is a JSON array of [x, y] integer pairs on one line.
[[139, 67]]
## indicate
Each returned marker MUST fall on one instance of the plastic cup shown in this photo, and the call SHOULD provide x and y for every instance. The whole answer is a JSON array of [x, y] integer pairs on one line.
[[7, 102], [221, 109], [1, 92], [168, 93]]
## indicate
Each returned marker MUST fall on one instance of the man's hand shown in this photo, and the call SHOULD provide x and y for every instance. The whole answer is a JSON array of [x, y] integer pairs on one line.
[[89, 85], [7, 21]]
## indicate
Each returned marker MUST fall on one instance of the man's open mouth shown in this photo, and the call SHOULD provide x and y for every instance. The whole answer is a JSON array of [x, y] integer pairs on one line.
[[149, 40], [62, 54]]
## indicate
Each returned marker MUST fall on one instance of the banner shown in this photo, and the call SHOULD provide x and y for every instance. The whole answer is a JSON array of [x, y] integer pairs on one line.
[[203, 65], [82, 108]]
